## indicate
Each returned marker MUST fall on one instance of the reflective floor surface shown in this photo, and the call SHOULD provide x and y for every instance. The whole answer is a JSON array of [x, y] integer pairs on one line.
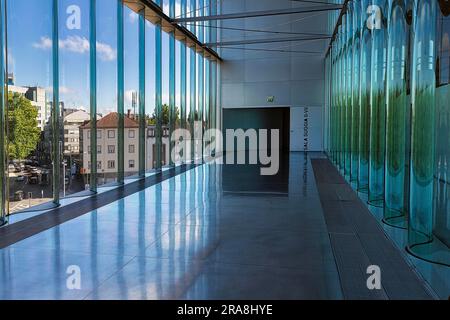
[[216, 232]]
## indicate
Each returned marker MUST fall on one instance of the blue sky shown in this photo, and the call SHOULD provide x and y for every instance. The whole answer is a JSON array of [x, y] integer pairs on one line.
[[30, 55]]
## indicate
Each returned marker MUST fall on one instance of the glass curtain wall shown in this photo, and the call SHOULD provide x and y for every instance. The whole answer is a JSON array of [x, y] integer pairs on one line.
[[401, 105], [98, 94]]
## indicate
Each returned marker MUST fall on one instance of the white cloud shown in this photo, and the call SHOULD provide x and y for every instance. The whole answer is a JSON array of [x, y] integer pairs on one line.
[[62, 90], [77, 44], [106, 52], [45, 43]]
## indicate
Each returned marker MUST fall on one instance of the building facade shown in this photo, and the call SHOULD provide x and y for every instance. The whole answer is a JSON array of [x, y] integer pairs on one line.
[[38, 99], [107, 147]]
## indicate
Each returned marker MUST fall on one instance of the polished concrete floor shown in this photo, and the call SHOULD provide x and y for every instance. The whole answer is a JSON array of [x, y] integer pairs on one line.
[[215, 232]]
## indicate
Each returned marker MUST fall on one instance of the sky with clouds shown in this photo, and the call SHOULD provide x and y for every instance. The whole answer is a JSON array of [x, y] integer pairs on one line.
[[30, 54]]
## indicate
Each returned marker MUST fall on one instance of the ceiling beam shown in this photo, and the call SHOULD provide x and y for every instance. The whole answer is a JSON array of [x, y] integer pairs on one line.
[[155, 15], [266, 13], [271, 40]]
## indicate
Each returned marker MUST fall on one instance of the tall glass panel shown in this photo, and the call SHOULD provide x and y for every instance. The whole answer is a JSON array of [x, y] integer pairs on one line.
[[188, 156], [3, 118], [343, 96], [132, 98], [442, 228], [158, 95], [172, 86], [348, 88], [193, 115], [91, 169], [74, 68], [355, 90], [31, 28], [150, 97], [166, 98], [396, 113], [120, 93], [334, 101], [364, 102], [339, 98], [378, 106], [142, 94], [107, 95], [199, 126], [423, 123], [183, 75]]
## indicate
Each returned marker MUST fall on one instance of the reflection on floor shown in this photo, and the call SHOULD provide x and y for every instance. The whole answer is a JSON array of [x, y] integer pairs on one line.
[[211, 233]]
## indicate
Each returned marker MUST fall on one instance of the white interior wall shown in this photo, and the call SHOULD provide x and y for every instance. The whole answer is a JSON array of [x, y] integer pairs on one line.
[[248, 78]]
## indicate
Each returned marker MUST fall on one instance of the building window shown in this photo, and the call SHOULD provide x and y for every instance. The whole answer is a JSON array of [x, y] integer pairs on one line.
[[99, 149], [89, 149], [99, 165], [111, 164], [89, 134], [131, 148], [131, 134], [131, 164], [111, 149], [111, 134], [99, 134]]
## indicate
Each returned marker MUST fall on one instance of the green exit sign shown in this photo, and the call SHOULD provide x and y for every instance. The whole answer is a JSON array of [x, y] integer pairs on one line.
[[271, 99]]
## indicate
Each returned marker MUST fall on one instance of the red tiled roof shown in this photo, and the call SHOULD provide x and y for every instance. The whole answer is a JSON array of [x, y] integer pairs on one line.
[[111, 121]]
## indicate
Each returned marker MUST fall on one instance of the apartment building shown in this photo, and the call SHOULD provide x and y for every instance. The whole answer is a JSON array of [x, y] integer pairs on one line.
[[38, 99], [107, 147]]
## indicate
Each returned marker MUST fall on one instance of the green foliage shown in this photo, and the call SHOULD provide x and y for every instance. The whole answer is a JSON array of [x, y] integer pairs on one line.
[[23, 130], [165, 116]]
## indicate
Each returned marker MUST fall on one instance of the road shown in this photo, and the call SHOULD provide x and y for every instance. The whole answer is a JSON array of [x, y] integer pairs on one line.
[[40, 193]]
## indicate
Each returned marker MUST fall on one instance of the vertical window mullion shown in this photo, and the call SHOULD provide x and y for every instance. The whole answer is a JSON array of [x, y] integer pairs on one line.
[[4, 193], [158, 92], [120, 93], [93, 91], [56, 145], [142, 119]]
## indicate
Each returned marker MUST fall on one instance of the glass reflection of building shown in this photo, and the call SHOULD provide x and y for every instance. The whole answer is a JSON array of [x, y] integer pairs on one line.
[[401, 58]]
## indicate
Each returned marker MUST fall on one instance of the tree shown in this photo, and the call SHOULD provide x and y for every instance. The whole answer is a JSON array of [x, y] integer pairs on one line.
[[165, 115], [23, 130]]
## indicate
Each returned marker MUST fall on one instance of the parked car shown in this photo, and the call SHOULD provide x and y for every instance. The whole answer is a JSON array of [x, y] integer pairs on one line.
[[33, 180], [18, 195], [20, 179]]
